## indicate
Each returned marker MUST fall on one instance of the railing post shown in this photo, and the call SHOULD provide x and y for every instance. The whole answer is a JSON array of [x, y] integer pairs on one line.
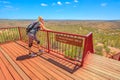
[[19, 33], [88, 47], [90, 39], [48, 42], [84, 51], [119, 58]]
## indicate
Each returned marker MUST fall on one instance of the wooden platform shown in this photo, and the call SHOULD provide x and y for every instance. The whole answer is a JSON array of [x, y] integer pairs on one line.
[[16, 65]]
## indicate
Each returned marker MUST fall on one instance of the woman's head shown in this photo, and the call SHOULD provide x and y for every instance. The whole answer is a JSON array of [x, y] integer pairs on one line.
[[40, 19]]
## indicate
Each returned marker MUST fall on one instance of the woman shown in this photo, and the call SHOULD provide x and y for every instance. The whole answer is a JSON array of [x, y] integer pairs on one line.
[[34, 28]]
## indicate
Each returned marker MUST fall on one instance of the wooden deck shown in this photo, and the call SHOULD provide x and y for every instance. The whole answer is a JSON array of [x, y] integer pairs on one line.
[[15, 65]]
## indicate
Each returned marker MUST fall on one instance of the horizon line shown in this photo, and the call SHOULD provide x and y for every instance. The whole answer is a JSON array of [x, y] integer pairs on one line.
[[68, 19]]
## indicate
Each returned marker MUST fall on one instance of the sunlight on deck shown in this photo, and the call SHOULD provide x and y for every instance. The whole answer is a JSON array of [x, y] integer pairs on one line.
[[16, 65]]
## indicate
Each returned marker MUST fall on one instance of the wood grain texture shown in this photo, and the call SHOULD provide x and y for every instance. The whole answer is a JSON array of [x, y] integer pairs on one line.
[[49, 67]]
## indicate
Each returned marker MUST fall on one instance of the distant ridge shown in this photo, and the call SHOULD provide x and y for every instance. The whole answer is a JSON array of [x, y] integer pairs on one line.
[[103, 24], [62, 20]]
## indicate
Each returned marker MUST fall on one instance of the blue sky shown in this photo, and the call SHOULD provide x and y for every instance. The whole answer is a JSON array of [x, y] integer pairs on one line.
[[60, 9]]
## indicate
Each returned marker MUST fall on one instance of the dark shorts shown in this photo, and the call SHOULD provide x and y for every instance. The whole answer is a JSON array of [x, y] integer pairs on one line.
[[32, 38]]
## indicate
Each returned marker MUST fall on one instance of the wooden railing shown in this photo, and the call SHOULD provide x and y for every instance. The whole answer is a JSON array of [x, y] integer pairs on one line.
[[71, 47]]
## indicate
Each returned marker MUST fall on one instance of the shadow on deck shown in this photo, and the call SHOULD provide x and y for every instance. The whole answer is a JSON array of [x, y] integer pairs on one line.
[[52, 58]]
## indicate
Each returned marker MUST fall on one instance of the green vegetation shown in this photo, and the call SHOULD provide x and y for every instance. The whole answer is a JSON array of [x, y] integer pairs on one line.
[[98, 50], [108, 37], [107, 49], [73, 52], [9, 35], [106, 33]]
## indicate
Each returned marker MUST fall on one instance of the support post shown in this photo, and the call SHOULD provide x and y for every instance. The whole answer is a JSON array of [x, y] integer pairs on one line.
[[48, 42], [19, 33]]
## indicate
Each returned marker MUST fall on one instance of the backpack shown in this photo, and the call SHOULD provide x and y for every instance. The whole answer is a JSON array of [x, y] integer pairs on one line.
[[30, 27]]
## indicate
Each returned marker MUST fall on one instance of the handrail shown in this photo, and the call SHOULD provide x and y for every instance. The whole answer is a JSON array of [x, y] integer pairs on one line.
[[65, 33], [72, 46]]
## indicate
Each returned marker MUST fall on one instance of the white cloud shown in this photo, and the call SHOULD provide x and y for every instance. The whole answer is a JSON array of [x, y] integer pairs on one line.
[[103, 4], [43, 4], [59, 3], [67, 2], [75, 1]]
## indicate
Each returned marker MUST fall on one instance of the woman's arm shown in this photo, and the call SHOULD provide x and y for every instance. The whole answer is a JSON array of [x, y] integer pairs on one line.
[[43, 27]]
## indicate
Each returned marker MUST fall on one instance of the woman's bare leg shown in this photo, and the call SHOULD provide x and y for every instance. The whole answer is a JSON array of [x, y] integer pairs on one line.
[[30, 50]]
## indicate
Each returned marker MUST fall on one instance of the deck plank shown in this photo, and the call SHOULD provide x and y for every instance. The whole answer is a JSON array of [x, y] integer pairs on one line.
[[46, 68], [10, 68], [2, 77], [31, 63], [17, 68], [52, 72], [5, 71], [84, 72], [95, 66], [105, 67], [23, 67], [53, 67], [32, 73], [104, 60]]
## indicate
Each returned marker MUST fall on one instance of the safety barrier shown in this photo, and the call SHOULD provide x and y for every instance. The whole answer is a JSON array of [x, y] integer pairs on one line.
[[71, 47]]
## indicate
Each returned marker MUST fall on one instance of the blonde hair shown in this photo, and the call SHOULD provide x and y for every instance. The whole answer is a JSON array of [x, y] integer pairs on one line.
[[40, 18]]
